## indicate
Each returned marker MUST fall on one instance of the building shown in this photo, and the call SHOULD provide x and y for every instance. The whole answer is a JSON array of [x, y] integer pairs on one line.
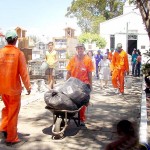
[[65, 46], [39, 50], [2, 40], [127, 29], [24, 43]]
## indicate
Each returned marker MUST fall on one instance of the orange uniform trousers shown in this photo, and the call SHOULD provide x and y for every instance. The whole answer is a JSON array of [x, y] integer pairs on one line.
[[10, 116], [82, 114], [118, 79]]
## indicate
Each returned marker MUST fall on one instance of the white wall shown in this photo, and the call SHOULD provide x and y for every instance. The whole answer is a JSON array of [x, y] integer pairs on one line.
[[143, 41], [131, 22]]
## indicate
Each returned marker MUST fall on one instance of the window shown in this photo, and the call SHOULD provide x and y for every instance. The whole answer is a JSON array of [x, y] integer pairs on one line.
[[62, 64], [90, 46], [142, 46], [62, 54], [112, 41], [132, 37]]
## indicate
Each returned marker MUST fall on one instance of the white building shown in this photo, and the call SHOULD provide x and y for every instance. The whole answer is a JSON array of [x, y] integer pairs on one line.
[[2, 40], [127, 29], [39, 50]]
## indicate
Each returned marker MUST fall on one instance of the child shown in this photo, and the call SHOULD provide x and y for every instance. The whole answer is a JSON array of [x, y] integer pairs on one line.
[[128, 139], [104, 71]]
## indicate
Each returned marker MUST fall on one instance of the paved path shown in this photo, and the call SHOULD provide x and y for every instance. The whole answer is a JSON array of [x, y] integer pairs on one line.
[[105, 110]]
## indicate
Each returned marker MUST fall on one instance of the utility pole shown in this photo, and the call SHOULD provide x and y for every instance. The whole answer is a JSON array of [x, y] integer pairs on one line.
[[127, 37]]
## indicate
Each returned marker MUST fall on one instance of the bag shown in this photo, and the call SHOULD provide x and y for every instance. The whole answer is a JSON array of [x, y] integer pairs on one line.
[[44, 66], [76, 90], [60, 101], [128, 82]]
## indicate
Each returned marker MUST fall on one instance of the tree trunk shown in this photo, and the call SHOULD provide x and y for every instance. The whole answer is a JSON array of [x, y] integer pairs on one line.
[[144, 10]]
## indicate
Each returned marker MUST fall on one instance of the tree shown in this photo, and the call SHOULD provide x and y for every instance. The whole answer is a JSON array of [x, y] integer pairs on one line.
[[144, 7], [90, 13], [90, 38], [34, 38]]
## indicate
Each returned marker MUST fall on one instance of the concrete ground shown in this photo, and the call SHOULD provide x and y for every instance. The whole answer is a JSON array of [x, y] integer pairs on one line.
[[105, 110]]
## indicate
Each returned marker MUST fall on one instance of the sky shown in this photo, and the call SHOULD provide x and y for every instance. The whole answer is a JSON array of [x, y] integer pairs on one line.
[[38, 17]]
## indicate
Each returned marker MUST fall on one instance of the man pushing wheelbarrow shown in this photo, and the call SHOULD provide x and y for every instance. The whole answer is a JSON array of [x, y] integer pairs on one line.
[[80, 66], [73, 97]]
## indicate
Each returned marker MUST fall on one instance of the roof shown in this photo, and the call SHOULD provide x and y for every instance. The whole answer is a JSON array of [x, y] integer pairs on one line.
[[20, 28], [132, 12], [1, 34]]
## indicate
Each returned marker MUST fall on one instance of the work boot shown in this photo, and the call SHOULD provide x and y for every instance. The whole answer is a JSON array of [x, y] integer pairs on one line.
[[82, 124], [116, 91], [121, 94], [3, 135], [15, 144]]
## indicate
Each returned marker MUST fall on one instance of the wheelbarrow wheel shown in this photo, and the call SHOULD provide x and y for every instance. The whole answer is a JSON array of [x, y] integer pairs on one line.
[[57, 128], [58, 125]]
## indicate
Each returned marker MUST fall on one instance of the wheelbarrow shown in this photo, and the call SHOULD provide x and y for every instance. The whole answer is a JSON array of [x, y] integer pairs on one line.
[[61, 119]]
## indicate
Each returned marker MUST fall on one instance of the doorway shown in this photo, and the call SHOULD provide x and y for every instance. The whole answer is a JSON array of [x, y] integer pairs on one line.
[[132, 42], [131, 45]]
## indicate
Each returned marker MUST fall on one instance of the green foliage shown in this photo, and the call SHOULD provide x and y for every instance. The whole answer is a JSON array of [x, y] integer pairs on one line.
[[34, 38], [146, 66], [89, 38], [90, 13], [68, 56], [133, 1]]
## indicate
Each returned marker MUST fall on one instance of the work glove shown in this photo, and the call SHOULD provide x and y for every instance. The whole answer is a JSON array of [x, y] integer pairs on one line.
[[28, 92]]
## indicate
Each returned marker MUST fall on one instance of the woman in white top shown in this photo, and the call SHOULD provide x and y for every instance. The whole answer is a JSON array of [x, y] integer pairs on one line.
[[91, 55], [104, 71]]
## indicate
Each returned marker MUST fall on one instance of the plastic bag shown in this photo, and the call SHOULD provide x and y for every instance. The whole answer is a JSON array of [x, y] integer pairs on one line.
[[76, 90], [128, 82], [57, 100], [44, 66]]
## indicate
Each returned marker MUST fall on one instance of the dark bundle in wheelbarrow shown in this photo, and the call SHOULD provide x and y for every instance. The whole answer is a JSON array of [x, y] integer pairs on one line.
[[77, 91], [70, 96], [58, 101]]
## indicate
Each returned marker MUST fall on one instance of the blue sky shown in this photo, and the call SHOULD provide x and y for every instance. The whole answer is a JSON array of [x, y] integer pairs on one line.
[[36, 16]]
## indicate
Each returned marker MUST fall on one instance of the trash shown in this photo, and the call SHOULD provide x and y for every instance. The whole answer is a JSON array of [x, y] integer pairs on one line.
[[57, 100], [44, 66], [76, 90], [128, 82]]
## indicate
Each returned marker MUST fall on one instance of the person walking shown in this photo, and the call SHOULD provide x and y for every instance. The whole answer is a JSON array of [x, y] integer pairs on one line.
[[91, 55], [80, 66], [98, 58], [13, 68], [107, 52], [51, 59], [110, 56], [138, 65], [104, 71], [134, 61], [120, 67]]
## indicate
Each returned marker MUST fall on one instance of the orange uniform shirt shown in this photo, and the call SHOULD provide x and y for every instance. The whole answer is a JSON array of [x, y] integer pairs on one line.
[[12, 67], [120, 61], [80, 69], [110, 55]]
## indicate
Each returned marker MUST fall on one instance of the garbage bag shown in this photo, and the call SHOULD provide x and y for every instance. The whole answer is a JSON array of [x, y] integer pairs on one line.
[[76, 90], [57, 100], [44, 66], [128, 82]]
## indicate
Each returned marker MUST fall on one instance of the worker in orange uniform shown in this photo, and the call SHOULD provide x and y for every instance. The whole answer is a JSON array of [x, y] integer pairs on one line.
[[81, 67], [110, 55], [119, 67], [13, 68]]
